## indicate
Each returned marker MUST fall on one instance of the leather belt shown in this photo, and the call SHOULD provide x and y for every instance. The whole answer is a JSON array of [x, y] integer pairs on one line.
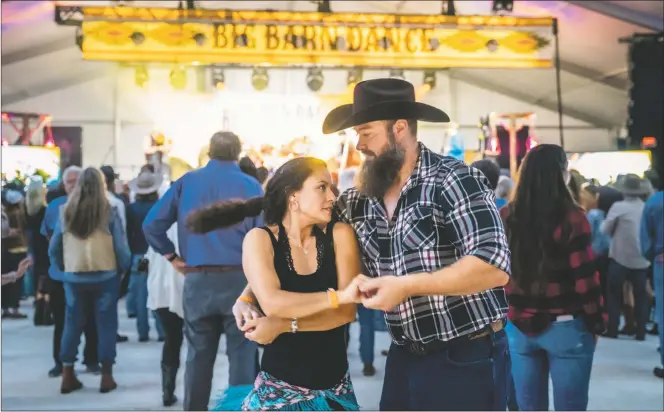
[[424, 349], [210, 268]]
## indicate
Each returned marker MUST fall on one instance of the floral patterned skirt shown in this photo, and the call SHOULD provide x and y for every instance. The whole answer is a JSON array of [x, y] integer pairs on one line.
[[270, 394]]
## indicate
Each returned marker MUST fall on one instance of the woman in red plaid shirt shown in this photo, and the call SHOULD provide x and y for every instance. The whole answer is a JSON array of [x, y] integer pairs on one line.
[[555, 301]]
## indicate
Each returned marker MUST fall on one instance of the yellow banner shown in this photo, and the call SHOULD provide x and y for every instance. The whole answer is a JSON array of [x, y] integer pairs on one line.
[[286, 38]]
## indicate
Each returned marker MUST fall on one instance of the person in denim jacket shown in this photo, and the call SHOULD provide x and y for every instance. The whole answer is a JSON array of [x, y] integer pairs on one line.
[[90, 247]]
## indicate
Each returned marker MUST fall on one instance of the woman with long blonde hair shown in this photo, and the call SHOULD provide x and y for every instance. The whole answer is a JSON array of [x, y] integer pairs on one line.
[[90, 246]]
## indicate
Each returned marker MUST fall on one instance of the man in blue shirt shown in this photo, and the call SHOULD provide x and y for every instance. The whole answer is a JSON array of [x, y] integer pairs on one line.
[[652, 247], [213, 266], [56, 289]]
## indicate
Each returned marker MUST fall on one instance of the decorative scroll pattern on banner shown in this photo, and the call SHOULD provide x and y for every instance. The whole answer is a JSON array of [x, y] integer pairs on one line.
[[293, 38]]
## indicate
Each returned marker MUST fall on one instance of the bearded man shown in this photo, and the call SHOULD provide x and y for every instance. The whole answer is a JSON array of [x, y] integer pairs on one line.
[[435, 253]]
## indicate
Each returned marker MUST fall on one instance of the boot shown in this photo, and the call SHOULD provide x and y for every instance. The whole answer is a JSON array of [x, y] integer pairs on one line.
[[168, 376], [70, 382], [630, 324], [107, 382]]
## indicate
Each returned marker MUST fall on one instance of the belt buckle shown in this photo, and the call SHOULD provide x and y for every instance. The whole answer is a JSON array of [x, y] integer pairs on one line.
[[417, 348]]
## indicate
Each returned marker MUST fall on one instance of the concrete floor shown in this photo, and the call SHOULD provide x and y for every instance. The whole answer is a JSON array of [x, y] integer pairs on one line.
[[622, 376]]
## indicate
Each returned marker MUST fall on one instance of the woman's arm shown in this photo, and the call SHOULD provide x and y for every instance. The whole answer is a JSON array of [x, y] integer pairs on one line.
[[10, 277], [348, 266], [258, 264], [55, 246], [122, 253], [583, 271]]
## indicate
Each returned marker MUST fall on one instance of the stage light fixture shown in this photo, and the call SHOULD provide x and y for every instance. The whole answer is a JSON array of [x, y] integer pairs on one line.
[[218, 78], [178, 77], [259, 78], [397, 74], [137, 37], [354, 76], [141, 75], [448, 8], [503, 6], [315, 79], [324, 6], [430, 79], [200, 39]]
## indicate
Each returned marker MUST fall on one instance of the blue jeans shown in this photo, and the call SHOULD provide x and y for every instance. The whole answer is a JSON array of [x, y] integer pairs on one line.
[[565, 351], [367, 334], [138, 284], [103, 298], [467, 375], [658, 280]]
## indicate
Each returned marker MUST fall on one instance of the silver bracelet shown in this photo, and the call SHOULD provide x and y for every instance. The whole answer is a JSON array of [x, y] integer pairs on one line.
[[294, 326], [13, 275]]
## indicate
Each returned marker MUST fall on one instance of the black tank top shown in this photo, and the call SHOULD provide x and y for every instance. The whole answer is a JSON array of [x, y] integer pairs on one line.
[[314, 360]]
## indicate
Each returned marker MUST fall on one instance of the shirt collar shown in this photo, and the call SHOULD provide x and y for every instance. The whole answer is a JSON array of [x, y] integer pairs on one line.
[[225, 164], [422, 168]]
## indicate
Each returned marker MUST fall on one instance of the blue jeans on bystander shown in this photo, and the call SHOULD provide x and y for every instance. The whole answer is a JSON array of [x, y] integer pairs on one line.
[[102, 296], [138, 285], [565, 351]]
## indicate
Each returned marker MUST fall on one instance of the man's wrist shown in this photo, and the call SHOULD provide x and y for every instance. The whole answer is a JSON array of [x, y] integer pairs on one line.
[[416, 284]]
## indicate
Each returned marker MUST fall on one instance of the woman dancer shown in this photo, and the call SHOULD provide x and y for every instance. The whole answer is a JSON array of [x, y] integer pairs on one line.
[[295, 265], [555, 300]]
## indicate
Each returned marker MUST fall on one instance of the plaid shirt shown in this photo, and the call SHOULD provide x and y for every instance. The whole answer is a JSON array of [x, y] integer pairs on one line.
[[446, 211], [573, 288]]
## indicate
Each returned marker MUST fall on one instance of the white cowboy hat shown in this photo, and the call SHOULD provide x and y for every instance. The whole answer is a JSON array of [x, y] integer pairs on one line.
[[146, 183]]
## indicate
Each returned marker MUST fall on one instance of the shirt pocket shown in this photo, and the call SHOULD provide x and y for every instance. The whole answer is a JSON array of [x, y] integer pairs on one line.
[[419, 229], [368, 239]]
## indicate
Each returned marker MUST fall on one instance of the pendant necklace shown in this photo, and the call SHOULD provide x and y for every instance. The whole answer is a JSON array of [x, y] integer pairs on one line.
[[301, 247]]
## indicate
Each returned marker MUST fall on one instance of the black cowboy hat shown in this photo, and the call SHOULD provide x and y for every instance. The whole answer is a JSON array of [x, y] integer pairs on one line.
[[381, 99]]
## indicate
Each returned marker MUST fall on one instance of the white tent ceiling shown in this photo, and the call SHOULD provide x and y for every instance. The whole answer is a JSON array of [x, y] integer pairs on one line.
[[39, 57]]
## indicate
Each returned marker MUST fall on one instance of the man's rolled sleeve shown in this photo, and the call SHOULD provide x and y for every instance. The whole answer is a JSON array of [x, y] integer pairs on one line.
[[472, 221], [160, 218]]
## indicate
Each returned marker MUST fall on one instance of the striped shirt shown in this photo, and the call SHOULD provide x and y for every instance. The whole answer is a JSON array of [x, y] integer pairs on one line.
[[446, 211]]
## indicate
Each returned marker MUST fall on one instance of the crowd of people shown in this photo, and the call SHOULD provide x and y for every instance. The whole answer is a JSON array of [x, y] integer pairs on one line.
[[488, 285]]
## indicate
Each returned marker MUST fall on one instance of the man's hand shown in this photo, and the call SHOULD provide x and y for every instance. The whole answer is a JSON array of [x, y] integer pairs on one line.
[[179, 265], [352, 294], [384, 293], [244, 312], [265, 330]]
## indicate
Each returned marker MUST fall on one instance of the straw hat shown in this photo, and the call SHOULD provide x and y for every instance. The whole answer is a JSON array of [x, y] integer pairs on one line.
[[146, 183]]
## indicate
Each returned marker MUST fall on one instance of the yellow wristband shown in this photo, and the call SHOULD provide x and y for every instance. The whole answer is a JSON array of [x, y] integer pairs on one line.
[[333, 297], [247, 299]]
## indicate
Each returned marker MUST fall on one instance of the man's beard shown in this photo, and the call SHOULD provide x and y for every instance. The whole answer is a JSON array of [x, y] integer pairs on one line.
[[379, 173]]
